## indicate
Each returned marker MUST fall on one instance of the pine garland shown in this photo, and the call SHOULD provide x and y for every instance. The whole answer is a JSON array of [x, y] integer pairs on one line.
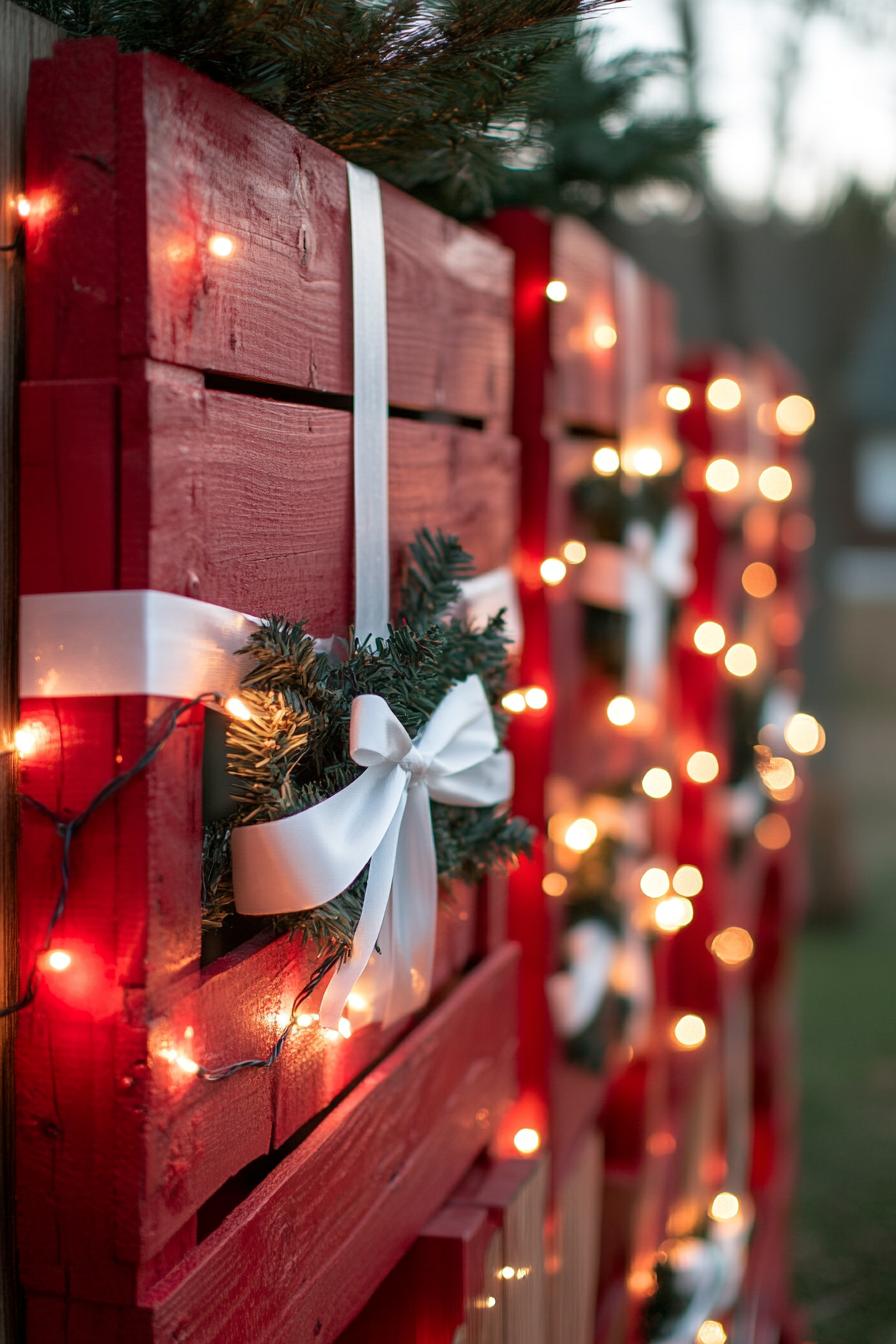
[[441, 97], [294, 751]]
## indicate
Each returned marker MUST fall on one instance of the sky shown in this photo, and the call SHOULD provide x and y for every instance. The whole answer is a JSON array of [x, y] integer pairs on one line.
[[836, 70]]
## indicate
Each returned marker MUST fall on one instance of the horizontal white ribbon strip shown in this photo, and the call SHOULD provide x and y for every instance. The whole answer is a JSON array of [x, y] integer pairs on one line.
[[129, 642], [383, 817], [138, 641]]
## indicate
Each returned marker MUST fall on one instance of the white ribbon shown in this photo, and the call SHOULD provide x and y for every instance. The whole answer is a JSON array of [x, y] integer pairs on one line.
[[383, 817], [657, 569], [575, 995], [371, 403]]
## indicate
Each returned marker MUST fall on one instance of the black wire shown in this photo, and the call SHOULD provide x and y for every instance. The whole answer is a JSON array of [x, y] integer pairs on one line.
[[68, 827]]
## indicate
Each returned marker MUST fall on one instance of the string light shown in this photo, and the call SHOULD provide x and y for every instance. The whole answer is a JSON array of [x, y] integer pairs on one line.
[[507, 1272], [709, 637], [673, 913], [574, 552], [28, 738], [605, 460], [536, 697], [687, 880], [689, 1031], [22, 205], [776, 772], [580, 835], [556, 291], [722, 475], [552, 571], [794, 415], [772, 831], [180, 1059], [486, 1303], [621, 710], [527, 1141], [604, 335], [238, 708], [647, 461], [554, 884], [221, 245], [804, 735], [677, 398], [711, 1332], [724, 394], [775, 483], [514, 702], [702, 767], [657, 782], [57, 959], [741, 660], [732, 946], [725, 1207], [654, 883], [759, 579]]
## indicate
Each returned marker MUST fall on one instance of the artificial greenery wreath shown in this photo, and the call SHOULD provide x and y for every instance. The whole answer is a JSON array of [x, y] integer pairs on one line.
[[294, 751]]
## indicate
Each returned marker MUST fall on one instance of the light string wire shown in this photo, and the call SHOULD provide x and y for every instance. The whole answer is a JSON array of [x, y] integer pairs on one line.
[[67, 827]]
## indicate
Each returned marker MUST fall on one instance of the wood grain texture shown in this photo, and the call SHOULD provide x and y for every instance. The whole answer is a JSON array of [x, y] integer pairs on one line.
[[216, 163], [297, 1260], [247, 502], [585, 378], [573, 1250]]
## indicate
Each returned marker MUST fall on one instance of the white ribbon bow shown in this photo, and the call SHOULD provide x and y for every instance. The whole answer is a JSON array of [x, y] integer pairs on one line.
[[303, 861], [658, 568]]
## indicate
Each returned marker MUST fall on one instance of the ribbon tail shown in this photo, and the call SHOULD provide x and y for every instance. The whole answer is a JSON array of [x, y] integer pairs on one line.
[[413, 911], [376, 900]]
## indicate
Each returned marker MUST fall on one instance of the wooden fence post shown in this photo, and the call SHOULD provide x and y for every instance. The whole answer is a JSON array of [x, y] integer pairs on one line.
[[22, 37]]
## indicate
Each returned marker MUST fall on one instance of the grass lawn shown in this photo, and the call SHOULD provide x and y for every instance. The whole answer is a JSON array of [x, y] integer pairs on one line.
[[845, 1224]]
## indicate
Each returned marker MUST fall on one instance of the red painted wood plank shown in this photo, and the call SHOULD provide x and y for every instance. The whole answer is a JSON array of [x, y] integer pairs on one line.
[[305, 1250], [585, 381], [72, 271], [216, 163], [246, 502]]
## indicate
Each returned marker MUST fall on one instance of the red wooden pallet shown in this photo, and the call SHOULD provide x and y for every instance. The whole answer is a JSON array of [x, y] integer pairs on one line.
[[186, 426]]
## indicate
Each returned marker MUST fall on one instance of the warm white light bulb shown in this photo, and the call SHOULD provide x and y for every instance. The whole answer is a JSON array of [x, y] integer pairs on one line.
[[556, 291], [621, 710], [794, 415], [724, 1207], [689, 1031], [574, 552], [724, 394], [604, 335], [687, 880], [702, 767], [605, 461], [552, 571], [238, 708], [514, 702], [527, 1141], [776, 483], [722, 475], [676, 397], [741, 660], [657, 782], [536, 697], [647, 461], [654, 883], [709, 637], [221, 245], [580, 835], [673, 913]]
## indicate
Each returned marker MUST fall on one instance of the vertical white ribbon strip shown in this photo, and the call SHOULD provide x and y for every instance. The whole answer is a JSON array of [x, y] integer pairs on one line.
[[371, 395]]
